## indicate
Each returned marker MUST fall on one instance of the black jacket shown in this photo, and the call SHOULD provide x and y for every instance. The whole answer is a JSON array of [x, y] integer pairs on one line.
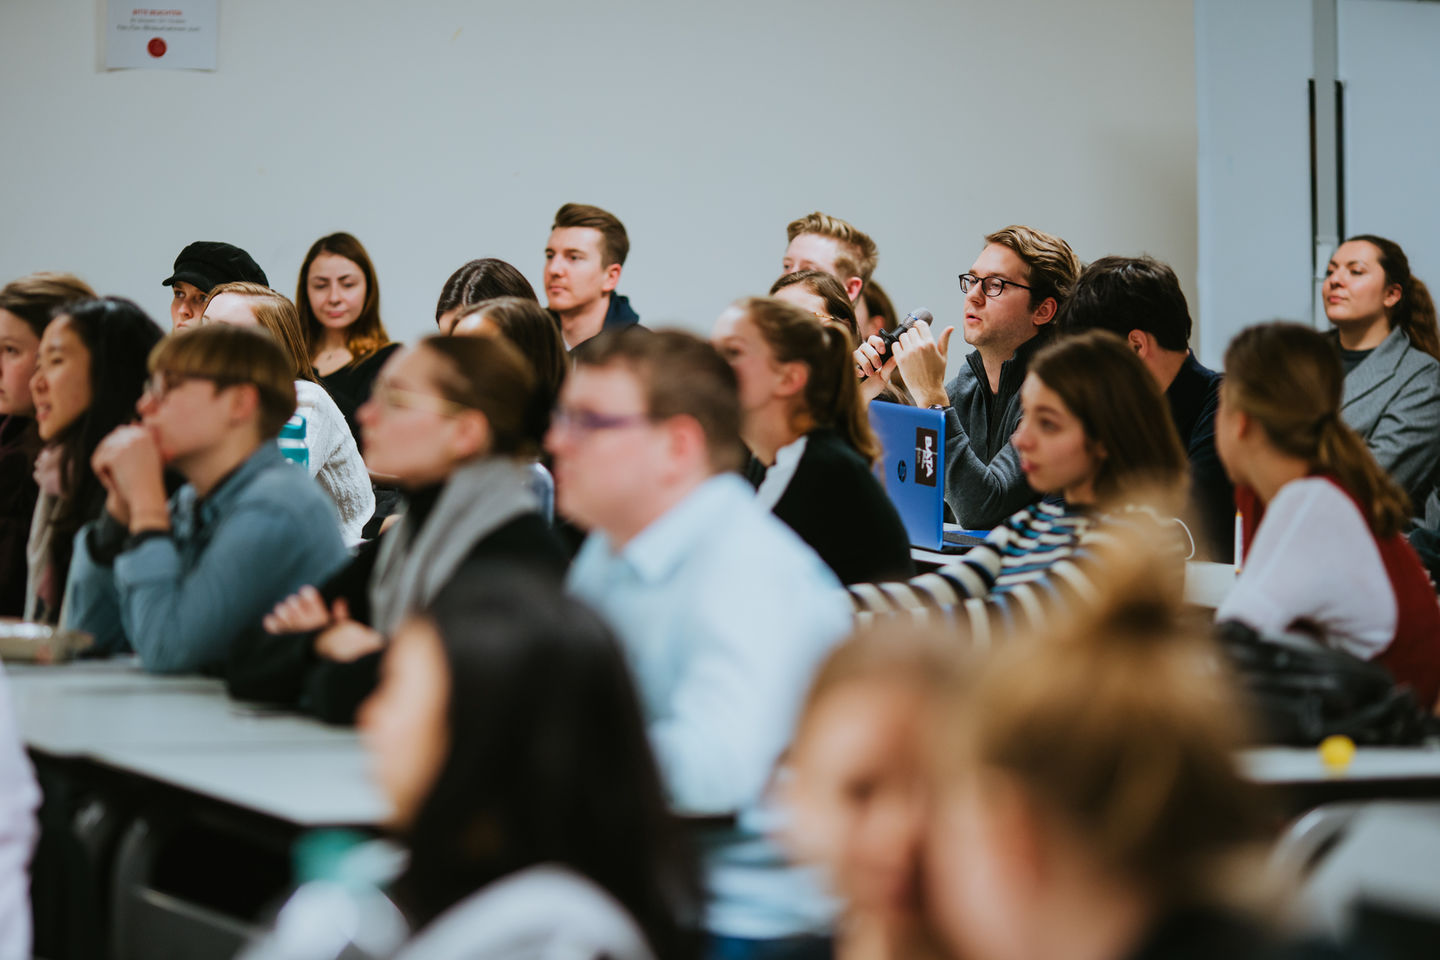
[[285, 670], [838, 507], [1194, 396]]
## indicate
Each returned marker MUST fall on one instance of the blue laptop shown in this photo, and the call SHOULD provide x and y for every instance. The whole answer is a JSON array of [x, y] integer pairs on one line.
[[912, 467]]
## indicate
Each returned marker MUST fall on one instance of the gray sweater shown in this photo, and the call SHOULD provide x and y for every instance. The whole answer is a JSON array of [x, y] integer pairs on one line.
[[983, 480]]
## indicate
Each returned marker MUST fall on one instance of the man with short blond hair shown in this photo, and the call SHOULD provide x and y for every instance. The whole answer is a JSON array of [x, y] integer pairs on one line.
[[821, 242], [583, 260], [1012, 293]]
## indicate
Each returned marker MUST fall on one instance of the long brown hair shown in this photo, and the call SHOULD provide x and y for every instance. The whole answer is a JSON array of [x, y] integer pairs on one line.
[[1288, 379], [1118, 403], [832, 396], [1415, 311], [367, 334], [274, 311]]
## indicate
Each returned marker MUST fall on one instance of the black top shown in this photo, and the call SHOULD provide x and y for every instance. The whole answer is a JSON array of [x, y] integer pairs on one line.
[[1350, 359], [350, 386], [1194, 396], [285, 669], [837, 506], [617, 316], [18, 445]]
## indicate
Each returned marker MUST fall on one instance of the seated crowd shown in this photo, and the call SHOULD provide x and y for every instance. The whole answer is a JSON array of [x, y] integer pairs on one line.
[[573, 576]]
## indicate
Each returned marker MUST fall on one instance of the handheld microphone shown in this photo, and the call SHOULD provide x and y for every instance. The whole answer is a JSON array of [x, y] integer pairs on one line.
[[890, 336]]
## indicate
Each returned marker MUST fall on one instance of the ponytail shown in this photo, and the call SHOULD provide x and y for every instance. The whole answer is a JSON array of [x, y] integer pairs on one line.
[[832, 394], [1287, 378], [1415, 311], [1340, 453], [832, 387]]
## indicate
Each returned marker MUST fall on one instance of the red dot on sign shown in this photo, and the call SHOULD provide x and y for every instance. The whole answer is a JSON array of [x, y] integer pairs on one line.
[[156, 47]]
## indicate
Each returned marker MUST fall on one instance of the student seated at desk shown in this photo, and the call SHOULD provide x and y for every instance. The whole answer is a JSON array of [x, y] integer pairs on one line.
[[507, 735], [26, 306], [89, 373], [1389, 346], [724, 611], [180, 582], [450, 421], [1095, 431], [1323, 521], [804, 422], [1139, 299], [334, 459]]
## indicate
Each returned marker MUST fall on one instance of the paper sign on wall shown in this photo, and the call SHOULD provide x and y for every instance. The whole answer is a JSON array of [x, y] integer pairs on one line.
[[178, 37]]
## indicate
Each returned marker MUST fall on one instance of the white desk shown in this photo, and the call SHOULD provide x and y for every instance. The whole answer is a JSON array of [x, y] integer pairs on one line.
[[1301, 765], [309, 786], [184, 732], [77, 710]]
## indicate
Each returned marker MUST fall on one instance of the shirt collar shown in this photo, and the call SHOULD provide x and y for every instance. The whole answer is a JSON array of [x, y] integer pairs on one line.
[[218, 501], [655, 552]]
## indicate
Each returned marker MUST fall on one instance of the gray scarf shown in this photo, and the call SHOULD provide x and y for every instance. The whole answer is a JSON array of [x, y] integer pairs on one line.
[[413, 566]]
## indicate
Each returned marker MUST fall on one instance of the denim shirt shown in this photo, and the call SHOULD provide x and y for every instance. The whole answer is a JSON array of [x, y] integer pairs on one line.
[[181, 600]]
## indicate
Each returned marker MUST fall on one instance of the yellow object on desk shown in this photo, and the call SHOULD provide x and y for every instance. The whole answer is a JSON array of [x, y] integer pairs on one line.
[[1337, 753]]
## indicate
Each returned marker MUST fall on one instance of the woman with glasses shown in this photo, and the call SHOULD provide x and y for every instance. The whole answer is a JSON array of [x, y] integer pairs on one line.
[[90, 370], [450, 421], [804, 423]]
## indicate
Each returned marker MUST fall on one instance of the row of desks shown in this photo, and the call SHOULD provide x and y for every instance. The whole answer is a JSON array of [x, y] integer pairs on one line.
[[184, 732], [162, 750]]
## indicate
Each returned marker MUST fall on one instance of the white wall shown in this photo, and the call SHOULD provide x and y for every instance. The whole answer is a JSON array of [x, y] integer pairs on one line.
[[443, 130], [1252, 67], [1390, 64]]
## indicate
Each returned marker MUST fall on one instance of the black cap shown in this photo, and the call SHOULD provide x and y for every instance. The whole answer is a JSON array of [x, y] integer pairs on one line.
[[208, 263]]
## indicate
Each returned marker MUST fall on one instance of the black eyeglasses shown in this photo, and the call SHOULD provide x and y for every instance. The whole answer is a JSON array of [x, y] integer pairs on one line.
[[991, 286]]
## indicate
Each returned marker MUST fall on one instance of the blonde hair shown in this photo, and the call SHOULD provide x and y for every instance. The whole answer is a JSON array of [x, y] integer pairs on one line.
[[232, 356], [860, 254], [1287, 378], [1122, 729], [1054, 268], [278, 315]]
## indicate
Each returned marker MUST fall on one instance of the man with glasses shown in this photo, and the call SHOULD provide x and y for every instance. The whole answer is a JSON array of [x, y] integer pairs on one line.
[[179, 582], [725, 613], [1012, 293]]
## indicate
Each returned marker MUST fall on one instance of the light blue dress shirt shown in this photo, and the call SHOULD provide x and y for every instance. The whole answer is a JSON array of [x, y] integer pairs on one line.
[[181, 601], [724, 614]]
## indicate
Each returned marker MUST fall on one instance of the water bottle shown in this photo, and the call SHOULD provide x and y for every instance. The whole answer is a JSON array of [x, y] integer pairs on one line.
[[292, 441]]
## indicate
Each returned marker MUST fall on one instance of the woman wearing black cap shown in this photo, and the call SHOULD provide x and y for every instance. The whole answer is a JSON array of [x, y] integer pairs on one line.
[[201, 267]]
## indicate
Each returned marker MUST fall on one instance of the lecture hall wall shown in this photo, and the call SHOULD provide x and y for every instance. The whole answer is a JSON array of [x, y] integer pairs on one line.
[[441, 130]]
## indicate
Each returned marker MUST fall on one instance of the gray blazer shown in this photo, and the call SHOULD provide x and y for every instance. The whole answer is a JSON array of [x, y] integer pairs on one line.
[[1392, 399]]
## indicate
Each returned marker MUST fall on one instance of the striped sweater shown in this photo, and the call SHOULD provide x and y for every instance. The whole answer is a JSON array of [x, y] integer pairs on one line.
[[1039, 562]]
